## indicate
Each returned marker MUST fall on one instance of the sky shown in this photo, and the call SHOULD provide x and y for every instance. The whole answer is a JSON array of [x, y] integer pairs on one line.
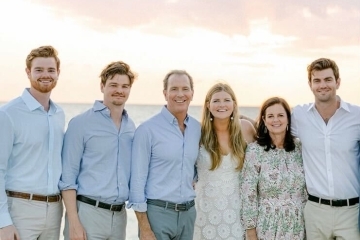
[[260, 47]]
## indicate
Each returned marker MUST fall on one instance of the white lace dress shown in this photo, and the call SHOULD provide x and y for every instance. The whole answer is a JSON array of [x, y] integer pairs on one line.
[[217, 199]]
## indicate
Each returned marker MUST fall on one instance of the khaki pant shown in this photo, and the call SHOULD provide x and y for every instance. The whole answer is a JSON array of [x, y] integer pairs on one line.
[[36, 220], [100, 223], [324, 222]]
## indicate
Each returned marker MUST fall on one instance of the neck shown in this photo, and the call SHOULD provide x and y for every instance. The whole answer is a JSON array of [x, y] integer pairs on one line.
[[115, 112], [278, 140], [42, 98], [327, 109], [221, 125]]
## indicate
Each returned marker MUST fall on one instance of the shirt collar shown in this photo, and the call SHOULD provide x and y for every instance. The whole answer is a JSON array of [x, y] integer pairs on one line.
[[343, 105], [171, 118], [99, 107], [33, 104]]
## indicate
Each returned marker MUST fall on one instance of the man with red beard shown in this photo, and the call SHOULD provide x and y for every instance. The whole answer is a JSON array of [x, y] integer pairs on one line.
[[96, 161], [31, 137]]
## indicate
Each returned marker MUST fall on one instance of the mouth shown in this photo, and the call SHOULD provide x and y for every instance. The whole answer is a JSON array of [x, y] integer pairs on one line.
[[180, 101], [45, 80], [222, 110]]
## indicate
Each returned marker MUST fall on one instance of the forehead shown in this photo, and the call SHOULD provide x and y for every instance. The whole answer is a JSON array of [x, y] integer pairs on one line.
[[178, 80], [43, 62], [274, 109], [322, 74], [119, 79], [221, 94]]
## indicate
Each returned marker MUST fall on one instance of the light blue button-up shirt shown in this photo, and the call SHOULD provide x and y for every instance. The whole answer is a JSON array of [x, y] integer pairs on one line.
[[96, 155], [163, 160], [30, 149]]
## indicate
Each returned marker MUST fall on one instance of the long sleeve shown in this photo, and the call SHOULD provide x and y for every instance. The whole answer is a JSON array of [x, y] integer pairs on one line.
[[6, 145], [249, 179]]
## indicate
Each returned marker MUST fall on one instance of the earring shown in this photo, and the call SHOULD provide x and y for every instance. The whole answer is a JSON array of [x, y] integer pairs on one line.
[[211, 119], [232, 118], [265, 129]]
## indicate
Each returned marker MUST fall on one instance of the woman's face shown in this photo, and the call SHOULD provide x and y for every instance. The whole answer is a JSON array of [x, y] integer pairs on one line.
[[276, 120], [221, 105]]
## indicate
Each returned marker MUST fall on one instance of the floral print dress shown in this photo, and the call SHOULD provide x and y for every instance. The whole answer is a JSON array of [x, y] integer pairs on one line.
[[273, 193]]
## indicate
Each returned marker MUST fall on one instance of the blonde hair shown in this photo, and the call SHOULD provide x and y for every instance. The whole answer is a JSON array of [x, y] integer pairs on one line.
[[208, 136]]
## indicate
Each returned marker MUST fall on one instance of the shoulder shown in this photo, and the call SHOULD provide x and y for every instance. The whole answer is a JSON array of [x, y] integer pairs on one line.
[[301, 107], [12, 105]]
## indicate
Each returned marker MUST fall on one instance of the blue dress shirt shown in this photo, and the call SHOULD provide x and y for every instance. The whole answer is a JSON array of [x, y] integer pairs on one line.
[[163, 160], [30, 149], [96, 155]]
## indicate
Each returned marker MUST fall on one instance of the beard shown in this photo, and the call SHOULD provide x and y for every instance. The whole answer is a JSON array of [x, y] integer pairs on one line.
[[36, 84]]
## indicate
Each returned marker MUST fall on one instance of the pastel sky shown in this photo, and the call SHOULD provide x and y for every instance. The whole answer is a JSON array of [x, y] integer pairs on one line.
[[260, 47]]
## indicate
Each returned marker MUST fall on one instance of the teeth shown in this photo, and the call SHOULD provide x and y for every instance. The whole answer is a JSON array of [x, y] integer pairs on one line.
[[221, 110], [180, 101]]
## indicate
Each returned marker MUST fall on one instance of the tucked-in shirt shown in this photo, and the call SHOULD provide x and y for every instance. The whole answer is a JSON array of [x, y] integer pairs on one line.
[[163, 160], [96, 155], [331, 152], [30, 149]]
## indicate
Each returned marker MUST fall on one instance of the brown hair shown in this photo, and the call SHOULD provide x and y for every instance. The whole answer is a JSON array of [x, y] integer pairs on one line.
[[262, 137], [322, 64], [114, 68], [43, 51], [178, 72]]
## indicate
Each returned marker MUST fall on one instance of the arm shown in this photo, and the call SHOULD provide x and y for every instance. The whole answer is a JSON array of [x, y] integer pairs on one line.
[[144, 226], [72, 152], [249, 179], [7, 135], [76, 230], [252, 121], [248, 130]]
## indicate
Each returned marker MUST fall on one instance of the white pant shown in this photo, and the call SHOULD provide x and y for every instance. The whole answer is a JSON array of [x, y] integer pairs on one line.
[[323, 222], [99, 223], [36, 220]]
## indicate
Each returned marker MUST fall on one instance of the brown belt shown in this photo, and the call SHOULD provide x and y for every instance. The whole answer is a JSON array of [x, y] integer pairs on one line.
[[28, 196]]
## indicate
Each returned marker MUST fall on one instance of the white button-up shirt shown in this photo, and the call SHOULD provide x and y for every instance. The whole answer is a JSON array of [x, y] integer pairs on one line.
[[331, 152]]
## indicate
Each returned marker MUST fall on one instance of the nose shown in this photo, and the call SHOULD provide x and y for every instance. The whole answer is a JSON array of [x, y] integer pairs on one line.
[[180, 93]]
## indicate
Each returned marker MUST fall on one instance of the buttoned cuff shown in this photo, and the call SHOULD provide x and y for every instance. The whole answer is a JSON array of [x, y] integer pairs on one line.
[[138, 207]]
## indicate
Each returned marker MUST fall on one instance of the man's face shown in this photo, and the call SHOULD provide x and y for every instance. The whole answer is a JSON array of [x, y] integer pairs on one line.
[[43, 74], [323, 84], [178, 94], [116, 90]]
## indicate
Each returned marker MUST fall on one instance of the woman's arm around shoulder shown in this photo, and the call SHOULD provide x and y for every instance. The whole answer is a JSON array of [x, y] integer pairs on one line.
[[248, 130]]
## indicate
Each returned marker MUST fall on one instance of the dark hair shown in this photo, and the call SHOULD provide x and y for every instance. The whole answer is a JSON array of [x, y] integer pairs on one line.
[[262, 137], [322, 64], [177, 72]]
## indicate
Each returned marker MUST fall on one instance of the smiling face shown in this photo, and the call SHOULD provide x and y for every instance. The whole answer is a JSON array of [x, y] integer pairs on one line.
[[221, 105], [178, 94], [116, 90], [43, 74], [275, 120], [323, 84]]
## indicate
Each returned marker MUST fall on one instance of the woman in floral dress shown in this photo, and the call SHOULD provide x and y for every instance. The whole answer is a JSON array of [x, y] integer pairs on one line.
[[272, 179], [221, 156]]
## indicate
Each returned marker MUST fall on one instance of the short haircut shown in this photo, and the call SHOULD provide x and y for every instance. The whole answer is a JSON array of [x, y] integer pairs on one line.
[[114, 68], [178, 72], [43, 51], [322, 64]]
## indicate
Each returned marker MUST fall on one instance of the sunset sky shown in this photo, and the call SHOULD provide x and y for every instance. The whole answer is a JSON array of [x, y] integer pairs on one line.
[[260, 47]]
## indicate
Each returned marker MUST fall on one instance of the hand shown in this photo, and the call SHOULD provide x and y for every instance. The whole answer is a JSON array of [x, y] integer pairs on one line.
[[147, 235], [251, 234], [77, 231], [9, 233]]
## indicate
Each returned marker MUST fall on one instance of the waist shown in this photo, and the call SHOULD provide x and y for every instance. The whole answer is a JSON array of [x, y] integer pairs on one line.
[[35, 197], [334, 202], [170, 205], [92, 202]]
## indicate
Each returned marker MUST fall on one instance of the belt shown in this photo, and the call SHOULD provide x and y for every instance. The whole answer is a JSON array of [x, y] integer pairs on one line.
[[29, 196], [335, 202], [111, 207], [174, 206]]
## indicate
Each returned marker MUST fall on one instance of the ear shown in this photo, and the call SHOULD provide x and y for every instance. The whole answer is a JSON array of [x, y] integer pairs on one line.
[[165, 95], [208, 105], [28, 73], [102, 87], [309, 82], [338, 83]]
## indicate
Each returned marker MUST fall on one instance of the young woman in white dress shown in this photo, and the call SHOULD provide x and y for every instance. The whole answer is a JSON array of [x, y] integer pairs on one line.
[[222, 150]]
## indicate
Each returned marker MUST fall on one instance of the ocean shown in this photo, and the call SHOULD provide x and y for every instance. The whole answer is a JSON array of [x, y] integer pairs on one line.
[[139, 113]]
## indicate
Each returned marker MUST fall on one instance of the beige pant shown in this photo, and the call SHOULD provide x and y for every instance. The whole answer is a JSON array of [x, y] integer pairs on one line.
[[100, 223], [324, 222], [36, 220]]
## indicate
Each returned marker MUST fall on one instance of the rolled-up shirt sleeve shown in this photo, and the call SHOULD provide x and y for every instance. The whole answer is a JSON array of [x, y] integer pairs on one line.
[[249, 179], [140, 160], [7, 137], [72, 153]]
